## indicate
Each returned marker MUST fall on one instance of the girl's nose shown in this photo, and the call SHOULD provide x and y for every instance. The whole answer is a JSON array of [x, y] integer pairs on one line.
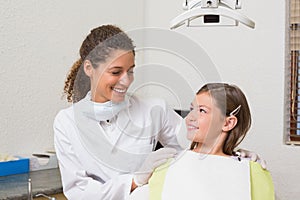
[[191, 116]]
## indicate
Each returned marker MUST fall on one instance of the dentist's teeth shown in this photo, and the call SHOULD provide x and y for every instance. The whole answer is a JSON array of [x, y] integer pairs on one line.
[[119, 90]]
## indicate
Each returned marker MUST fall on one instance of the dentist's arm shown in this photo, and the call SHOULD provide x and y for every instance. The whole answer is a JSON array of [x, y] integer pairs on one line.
[[77, 184]]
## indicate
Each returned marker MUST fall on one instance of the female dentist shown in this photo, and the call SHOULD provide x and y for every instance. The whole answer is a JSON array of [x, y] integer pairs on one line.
[[105, 141], [106, 136]]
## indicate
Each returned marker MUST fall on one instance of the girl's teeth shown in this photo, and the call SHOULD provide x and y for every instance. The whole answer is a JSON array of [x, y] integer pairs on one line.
[[192, 127]]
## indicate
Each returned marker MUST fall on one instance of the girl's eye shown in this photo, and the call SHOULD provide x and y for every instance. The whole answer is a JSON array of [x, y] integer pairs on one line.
[[202, 110], [191, 108]]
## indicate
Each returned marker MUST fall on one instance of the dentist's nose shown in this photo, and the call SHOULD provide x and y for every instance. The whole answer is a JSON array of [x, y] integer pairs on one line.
[[125, 79]]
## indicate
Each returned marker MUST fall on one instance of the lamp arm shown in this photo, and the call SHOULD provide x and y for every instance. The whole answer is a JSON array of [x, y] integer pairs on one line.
[[199, 12], [233, 4]]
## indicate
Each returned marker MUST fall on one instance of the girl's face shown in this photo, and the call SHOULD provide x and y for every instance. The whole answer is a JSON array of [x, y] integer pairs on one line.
[[110, 80], [204, 122]]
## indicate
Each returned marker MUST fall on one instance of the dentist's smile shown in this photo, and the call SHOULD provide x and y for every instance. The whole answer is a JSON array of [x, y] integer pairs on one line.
[[119, 90]]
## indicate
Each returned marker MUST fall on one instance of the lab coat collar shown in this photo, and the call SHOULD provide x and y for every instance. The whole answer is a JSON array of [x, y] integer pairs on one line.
[[102, 111], [87, 115]]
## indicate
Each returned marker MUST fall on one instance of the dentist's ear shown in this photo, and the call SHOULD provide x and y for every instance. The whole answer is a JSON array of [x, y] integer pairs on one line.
[[88, 68], [230, 123]]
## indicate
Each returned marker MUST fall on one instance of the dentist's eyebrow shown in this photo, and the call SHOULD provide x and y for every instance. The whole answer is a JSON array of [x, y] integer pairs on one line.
[[115, 67], [133, 66], [119, 67]]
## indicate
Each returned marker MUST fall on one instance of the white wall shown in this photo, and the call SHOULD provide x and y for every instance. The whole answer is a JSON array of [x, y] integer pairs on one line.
[[254, 60], [39, 41]]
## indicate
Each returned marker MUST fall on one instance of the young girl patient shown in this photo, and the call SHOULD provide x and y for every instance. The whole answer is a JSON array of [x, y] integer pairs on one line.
[[218, 121]]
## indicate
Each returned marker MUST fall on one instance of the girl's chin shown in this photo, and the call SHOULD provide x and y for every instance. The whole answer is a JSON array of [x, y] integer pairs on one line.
[[190, 136]]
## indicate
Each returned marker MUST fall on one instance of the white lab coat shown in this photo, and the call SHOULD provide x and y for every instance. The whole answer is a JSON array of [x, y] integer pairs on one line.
[[83, 176]]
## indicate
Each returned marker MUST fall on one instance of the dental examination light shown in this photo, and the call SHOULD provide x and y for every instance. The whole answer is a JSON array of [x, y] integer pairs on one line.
[[211, 13]]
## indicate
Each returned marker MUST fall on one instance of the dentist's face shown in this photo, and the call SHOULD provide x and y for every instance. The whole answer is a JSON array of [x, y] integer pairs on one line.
[[204, 122], [111, 79]]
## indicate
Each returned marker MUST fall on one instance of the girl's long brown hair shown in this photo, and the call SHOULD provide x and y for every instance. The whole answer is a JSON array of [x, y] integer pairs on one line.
[[227, 98]]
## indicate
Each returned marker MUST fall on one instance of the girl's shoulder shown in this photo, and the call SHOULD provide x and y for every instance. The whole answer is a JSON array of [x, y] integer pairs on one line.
[[261, 183]]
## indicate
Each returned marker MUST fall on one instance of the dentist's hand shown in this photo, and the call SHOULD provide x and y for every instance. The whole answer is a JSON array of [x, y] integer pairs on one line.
[[253, 156], [154, 160]]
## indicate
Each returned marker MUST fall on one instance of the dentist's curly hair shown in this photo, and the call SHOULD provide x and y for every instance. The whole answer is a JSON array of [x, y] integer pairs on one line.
[[96, 48], [228, 98]]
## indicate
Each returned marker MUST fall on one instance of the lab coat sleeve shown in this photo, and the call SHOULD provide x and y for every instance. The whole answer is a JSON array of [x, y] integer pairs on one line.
[[171, 126], [76, 183]]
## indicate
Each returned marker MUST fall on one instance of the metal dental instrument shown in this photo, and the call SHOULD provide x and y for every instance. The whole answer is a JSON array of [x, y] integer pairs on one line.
[[43, 195], [29, 190]]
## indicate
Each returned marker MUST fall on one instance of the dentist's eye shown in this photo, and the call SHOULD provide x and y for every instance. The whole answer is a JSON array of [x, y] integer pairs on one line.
[[130, 72], [116, 73]]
